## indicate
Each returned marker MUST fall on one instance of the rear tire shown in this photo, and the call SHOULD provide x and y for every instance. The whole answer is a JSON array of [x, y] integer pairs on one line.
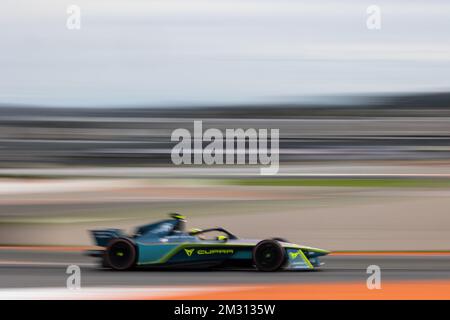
[[269, 255], [121, 254]]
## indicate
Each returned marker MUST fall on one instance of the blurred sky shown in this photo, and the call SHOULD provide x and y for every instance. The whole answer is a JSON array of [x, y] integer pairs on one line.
[[188, 52]]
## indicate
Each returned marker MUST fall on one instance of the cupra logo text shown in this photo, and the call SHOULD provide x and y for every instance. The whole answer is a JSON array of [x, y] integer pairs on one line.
[[189, 252]]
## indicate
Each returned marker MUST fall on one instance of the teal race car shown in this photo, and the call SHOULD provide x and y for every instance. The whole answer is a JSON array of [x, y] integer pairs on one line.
[[166, 244]]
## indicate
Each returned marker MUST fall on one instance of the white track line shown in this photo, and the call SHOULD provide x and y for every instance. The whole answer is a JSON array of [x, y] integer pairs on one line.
[[45, 263], [113, 293]]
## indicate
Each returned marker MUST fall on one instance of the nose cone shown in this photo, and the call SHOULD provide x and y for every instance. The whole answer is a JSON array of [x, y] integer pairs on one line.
[[323, 252], [316, 252]]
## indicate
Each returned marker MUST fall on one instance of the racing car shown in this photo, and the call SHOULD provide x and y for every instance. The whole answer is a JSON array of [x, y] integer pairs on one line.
[[166, 244]]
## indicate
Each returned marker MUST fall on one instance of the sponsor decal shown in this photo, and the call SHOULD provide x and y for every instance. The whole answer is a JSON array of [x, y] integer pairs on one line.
[[295, 254], [189, 252], [215, 251]]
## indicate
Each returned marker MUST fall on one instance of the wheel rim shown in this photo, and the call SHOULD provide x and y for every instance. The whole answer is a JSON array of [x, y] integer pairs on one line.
[[268, 256], [121, 255]]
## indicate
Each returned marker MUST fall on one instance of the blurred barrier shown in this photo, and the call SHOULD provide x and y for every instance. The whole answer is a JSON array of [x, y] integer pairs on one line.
[[383, 128]]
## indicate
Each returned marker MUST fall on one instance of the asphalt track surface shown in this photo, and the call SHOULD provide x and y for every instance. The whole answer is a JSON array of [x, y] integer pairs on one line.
[[33, 269]]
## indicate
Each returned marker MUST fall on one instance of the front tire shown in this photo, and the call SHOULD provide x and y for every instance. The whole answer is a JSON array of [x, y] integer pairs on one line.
[[269, 255], [121, 254]]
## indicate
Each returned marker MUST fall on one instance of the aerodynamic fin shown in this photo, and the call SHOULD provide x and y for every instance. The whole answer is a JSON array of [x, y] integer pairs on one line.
[[102, 237]]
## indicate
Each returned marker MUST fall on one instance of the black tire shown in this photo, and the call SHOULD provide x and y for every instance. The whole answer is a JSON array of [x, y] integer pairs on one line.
[[121, 254], [104, 262], [269, 255]]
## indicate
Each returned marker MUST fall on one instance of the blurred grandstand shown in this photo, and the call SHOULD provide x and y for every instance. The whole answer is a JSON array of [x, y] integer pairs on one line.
[[395, 127]]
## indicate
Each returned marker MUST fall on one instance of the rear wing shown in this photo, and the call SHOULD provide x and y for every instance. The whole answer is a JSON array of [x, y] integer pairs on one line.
[[102, 237]]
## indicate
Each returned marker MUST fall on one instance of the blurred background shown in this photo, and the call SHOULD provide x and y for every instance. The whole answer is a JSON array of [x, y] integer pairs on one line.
[[364, 117]]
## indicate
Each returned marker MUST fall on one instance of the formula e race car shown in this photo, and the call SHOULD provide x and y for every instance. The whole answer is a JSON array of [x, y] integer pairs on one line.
[[166, 244]]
